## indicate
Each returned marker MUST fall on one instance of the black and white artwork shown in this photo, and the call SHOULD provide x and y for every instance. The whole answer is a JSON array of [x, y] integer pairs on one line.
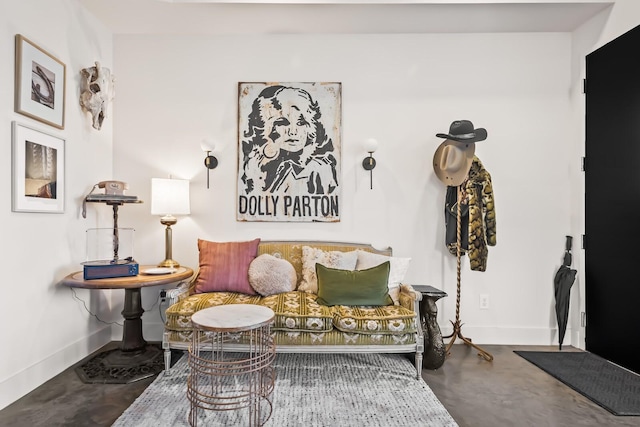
[[40, 83], [43, 85], [38, 170], [289, 152]]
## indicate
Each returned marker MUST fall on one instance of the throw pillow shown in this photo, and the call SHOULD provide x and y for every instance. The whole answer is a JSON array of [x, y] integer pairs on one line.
[[334, 259], [269, 275], [225, 266], [353, 287], [399, 267]]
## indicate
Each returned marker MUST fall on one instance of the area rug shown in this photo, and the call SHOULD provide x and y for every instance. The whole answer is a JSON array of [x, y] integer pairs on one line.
[[312, 390], [610, 386]]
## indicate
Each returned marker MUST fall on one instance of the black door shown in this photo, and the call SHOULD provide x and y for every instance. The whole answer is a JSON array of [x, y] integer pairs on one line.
[[612, 201]]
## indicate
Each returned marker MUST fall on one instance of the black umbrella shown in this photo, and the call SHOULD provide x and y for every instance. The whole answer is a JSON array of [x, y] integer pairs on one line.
[[563, 281]]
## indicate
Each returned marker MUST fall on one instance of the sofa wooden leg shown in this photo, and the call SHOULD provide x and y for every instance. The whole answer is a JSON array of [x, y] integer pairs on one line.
[[167, 362], [167, 353], [419, 365]]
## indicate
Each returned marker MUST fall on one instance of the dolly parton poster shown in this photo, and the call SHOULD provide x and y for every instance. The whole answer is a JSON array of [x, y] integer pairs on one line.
[[289, 152]]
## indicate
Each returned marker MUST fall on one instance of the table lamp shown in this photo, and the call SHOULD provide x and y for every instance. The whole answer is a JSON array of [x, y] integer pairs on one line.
[[169, 197]]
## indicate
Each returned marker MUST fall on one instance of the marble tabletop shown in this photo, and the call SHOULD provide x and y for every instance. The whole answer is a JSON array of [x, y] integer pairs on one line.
[[232, 317]]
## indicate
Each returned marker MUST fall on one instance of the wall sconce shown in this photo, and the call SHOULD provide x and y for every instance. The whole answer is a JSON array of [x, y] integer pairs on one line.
[[210, 162], [169, 197], [370, 145]]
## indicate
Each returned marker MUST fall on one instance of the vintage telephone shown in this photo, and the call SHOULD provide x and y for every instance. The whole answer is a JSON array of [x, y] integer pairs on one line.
[[113, 187], [113, 194]]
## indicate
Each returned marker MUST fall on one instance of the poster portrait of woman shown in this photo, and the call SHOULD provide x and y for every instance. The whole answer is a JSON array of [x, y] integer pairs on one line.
[[289, 152]]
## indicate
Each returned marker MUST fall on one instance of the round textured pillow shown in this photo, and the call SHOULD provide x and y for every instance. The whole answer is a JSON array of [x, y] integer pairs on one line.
[[269, 275]]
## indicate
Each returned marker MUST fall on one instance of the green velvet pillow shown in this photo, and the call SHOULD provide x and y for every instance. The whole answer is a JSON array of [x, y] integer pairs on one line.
[[353, 287]]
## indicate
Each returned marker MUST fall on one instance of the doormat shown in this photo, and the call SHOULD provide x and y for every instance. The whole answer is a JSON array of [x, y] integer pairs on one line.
[[118, 367], [610, 386]]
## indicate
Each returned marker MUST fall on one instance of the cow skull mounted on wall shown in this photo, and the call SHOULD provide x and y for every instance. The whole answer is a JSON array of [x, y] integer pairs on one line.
[[96, 92]]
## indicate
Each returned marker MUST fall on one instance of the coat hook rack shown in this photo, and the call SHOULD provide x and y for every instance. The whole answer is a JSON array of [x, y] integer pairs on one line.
[[457, 325]]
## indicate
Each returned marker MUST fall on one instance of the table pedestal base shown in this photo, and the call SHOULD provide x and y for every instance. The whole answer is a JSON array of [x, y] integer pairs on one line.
[[122, 367]]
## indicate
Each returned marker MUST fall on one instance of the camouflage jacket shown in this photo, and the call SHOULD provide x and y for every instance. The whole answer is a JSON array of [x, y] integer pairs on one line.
[[481, 232]]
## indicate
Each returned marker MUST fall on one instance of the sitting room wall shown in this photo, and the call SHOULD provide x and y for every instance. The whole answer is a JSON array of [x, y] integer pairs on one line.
[[399, 89]]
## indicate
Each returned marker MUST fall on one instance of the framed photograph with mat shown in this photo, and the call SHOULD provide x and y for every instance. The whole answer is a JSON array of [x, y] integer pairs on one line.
[[37, 168], [40, 83]]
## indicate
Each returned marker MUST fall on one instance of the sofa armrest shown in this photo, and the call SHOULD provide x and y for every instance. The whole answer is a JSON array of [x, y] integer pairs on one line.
[[409, 298], [181, 291], [178, 293]]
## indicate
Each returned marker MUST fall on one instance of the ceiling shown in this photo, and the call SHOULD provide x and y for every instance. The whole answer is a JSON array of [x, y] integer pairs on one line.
[[341, 17]]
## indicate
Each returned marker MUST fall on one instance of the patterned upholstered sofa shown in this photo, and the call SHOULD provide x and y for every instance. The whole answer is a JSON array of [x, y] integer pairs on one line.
[[301, 324]]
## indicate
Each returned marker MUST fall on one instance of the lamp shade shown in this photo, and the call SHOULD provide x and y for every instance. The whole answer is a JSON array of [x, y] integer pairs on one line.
[[170, 196], [371, 145], [207, 145]]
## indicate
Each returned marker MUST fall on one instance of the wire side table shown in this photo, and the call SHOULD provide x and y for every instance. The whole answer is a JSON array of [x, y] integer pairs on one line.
[[231, 361]]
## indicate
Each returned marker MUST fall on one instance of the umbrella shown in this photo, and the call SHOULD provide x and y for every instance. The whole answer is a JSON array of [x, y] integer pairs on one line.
[[563, 281]]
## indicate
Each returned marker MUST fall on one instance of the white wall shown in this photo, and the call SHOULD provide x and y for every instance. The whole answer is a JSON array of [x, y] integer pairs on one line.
[[173, 91], [44, 330]]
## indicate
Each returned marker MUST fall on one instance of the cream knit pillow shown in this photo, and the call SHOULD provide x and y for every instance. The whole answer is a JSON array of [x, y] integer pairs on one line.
[[269, 275]]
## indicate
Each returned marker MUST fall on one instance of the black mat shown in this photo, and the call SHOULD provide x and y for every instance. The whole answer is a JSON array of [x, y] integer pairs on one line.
[[118, 367], [610, 386]]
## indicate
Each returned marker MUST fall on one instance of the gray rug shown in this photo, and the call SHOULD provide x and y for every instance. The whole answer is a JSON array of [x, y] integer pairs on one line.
[[312, 390]]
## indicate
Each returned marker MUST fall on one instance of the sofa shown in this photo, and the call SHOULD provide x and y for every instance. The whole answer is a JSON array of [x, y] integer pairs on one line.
[[303, 324]]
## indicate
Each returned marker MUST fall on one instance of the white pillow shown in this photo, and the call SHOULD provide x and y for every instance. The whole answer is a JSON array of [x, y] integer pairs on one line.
[[331, 259], [269, 275], [398, 269]]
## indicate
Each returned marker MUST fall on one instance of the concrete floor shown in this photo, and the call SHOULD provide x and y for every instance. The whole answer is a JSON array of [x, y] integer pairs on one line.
[[512, 392], [506, 392]]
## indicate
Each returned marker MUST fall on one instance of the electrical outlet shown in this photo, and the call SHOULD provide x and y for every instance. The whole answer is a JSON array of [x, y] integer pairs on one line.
[[484, 301], [163, 295]]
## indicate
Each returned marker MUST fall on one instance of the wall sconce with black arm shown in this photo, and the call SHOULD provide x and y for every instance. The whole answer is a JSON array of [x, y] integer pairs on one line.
[[210, 162], [370, 145]]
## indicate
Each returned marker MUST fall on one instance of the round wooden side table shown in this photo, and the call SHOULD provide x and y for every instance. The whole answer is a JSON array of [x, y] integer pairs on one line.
[[131, 361], [231, 361]]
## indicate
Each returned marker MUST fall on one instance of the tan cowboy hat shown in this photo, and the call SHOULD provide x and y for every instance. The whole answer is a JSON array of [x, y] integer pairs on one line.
[[452, 161]]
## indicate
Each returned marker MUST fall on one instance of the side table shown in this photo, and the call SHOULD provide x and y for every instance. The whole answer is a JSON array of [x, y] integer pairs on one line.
[[130, 362], [231, 362], [434, 351]]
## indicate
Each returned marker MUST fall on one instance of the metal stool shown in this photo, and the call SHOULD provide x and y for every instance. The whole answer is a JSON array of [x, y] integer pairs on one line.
[[231, 361]]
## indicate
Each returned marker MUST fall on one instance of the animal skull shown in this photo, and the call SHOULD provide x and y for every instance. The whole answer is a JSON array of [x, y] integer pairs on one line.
[[96, 92]]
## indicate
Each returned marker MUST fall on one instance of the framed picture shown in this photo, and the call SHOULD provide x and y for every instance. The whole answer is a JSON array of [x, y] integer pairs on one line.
[[37, 171], [40, 83], [289, 144]]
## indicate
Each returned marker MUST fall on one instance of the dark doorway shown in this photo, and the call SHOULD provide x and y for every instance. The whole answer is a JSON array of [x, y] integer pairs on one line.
[[612, 201]]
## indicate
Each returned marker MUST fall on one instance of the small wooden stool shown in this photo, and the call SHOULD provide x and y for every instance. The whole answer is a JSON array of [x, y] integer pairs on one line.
[[231, 361]]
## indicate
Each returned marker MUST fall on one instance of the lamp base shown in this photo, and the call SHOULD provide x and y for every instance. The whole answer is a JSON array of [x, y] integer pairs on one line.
[[169, 263]]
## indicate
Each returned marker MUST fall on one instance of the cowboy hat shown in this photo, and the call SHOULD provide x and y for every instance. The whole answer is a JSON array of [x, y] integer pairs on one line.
[[452, 161], [462, 130]]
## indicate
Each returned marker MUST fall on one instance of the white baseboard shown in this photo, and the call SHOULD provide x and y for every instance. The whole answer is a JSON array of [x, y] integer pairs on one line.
[[151, 331], [23, 382], [511, 336]]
